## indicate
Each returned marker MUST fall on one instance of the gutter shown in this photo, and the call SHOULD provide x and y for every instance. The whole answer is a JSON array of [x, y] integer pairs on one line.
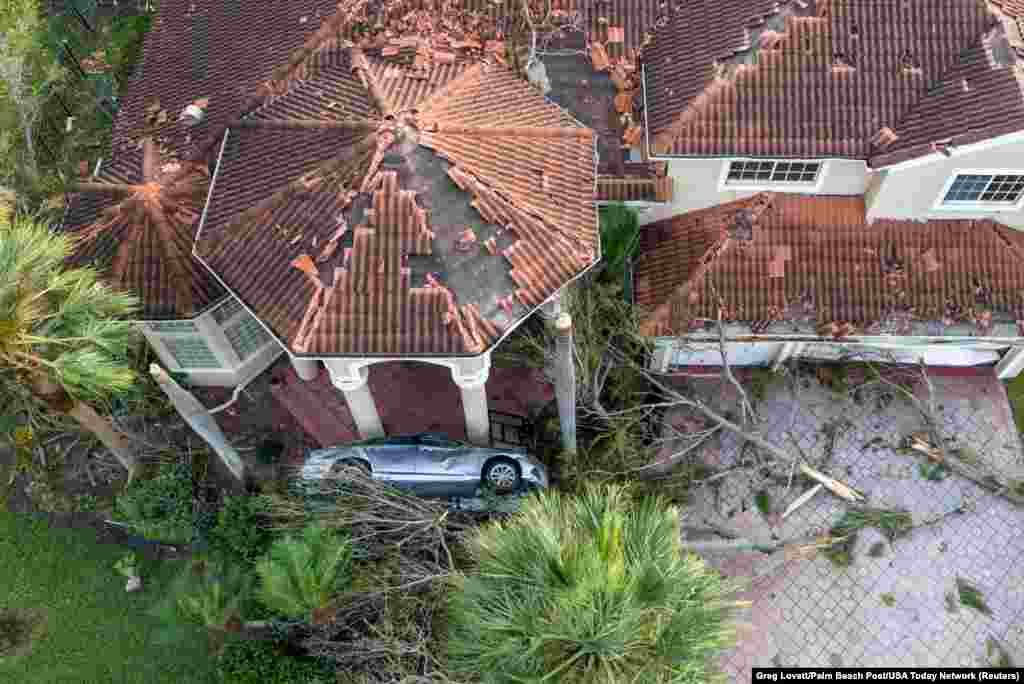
[[894, 341]]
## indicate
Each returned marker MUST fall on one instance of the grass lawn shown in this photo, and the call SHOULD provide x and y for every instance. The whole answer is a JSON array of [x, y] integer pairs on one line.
[[94, 631]]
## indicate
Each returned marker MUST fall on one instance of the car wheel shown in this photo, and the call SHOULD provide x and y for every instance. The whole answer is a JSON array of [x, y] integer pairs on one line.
[[502, 474]]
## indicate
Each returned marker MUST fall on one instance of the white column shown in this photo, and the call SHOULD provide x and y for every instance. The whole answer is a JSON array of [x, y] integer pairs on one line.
[[352, 383], [565, 381], [552, 308], [661, 358], [1011, 364], [471, 377], [307, 369]]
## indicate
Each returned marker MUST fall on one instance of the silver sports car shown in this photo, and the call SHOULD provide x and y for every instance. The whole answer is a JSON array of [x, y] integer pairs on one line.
[[431, 464]]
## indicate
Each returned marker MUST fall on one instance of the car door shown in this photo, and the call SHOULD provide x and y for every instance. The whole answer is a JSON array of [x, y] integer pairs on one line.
[[393, 460], [445, 467]]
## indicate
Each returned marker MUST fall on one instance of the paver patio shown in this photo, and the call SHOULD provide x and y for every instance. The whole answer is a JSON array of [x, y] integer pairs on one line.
[[814, 613]]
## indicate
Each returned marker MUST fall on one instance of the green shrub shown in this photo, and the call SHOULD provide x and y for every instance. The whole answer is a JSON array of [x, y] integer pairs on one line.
[[300, 575], [263, 662], [239, 532], [160, 508]]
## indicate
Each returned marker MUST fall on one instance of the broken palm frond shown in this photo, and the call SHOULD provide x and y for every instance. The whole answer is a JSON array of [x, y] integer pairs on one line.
[[892, 523], [1008, 489], [971, 597], [998, 656], [802, 499], [792, 550]]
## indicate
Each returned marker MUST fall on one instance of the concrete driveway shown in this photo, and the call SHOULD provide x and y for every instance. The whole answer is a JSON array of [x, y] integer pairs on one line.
[[896, 603]]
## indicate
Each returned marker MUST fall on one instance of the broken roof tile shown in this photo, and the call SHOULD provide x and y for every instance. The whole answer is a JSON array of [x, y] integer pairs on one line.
[[709, 92], [817, 258]]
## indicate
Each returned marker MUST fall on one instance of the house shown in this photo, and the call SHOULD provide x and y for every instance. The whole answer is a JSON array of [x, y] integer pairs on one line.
[[848, 177], [284, 179]]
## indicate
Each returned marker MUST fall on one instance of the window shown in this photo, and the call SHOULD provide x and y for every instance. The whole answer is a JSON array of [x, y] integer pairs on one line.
[[437, 440], [173, 327], [226, 310], [191, 352], [246, 336], [973, 189], [767, 172]]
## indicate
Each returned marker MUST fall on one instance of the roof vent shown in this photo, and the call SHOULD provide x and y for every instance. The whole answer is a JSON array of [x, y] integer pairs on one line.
[[855, 30], [965, 85]]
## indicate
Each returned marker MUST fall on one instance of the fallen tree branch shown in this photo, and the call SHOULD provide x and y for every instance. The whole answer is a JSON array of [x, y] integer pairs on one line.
[[832, 484]]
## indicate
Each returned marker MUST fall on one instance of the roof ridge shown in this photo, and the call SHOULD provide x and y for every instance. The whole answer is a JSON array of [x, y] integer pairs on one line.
[[761, 202], [471, 74], [524, 131]]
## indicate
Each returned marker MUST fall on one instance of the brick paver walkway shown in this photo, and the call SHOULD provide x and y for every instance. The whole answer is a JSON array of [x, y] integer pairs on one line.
[[890, 606]]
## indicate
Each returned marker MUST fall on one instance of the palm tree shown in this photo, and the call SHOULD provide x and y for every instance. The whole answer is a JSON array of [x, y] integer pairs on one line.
[[300, 575], [210, 593], [63, 334], [595, 588]]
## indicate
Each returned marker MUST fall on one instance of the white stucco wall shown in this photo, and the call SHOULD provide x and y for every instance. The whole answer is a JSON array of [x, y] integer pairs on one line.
[[698, 185], [911, 192], [767, 353]]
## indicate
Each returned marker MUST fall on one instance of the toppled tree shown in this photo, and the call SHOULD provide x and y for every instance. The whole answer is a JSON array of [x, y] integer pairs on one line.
[[64, 337], [27, 72], [384, 628]]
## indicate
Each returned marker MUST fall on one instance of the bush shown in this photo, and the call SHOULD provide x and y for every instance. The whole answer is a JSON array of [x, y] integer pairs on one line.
[[161, 508], [240, 533], [264, 662]]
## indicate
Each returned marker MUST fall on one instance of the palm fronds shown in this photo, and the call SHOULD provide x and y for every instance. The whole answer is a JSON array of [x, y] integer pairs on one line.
[[301, 574], [596, 588]]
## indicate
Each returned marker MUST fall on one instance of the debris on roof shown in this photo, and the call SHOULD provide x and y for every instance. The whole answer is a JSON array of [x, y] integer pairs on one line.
[[715, 75], [815, 264], [365, 290]]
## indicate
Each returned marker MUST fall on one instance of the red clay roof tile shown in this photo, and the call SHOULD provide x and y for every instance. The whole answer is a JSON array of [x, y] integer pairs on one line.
[[709, 94], [816, 259], [139, 234]]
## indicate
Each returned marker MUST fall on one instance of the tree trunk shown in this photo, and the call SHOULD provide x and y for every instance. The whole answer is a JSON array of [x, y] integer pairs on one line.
[[117, 442], [58, 399]]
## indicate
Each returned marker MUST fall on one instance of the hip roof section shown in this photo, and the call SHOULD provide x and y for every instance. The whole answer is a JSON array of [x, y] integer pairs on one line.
[[376, 208], [826, 78], [786, 262]]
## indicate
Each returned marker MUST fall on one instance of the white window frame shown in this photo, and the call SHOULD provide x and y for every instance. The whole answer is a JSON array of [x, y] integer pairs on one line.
[[724, 185], [977, 207]]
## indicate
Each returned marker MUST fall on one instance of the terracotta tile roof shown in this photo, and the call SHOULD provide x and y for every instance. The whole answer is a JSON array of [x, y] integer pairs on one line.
[[978, 99], [815, 260], [817, 82], [631, 189], [138, 230], [325, 225], [216, 50]]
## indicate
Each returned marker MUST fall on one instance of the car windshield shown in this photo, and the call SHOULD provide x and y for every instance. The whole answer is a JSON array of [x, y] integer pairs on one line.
[[387, 441], [436, 440]]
